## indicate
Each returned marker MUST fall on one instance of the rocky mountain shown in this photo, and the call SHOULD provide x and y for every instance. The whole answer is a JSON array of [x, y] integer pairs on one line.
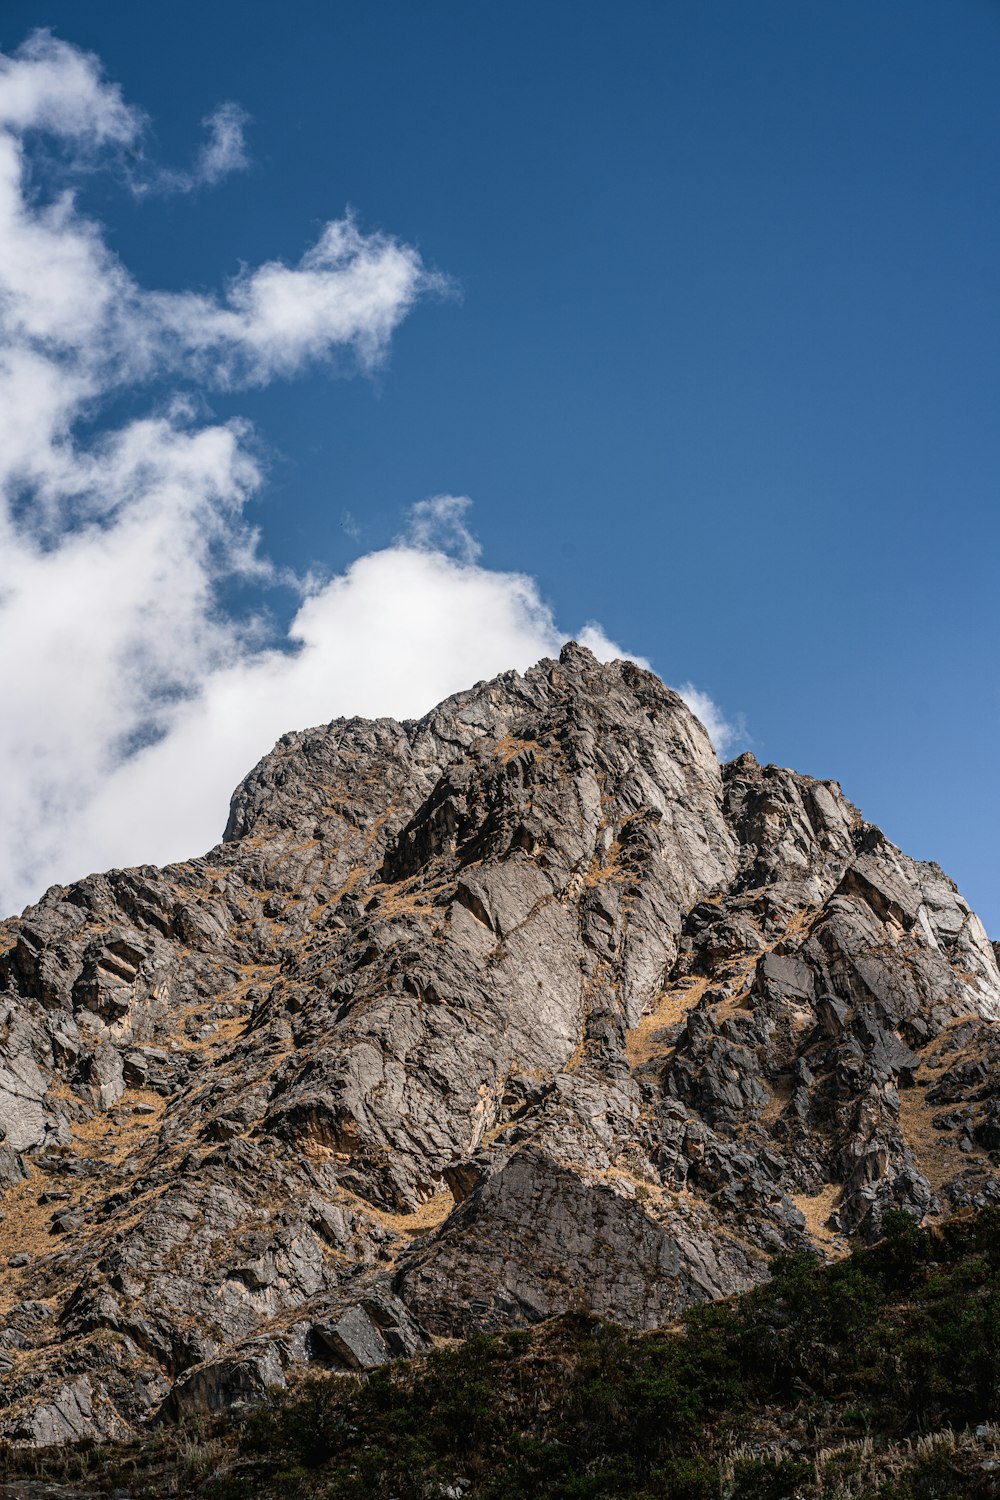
[[526, 1006]]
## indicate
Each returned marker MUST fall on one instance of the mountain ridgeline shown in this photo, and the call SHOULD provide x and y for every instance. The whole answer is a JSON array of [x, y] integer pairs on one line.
[[524, 1008]]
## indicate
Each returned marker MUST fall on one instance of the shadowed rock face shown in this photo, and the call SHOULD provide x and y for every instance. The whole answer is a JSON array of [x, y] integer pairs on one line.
[[528, 1005]]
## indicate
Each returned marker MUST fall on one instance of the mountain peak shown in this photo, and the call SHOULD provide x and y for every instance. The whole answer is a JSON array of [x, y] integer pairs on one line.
[[467, 1017]]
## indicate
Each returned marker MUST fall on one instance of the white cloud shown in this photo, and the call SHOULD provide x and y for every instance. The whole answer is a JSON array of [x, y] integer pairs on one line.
[[397, 632], [438, 525], [225, 150], [49, 85], [132, 703], [350, 290], [593, 637], [724, 734]]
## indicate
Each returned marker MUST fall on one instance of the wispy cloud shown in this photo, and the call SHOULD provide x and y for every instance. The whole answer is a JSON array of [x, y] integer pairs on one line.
[[438, 525], [132, 701], [49, 85], [595, 639], [727, 735], [111, 549], [225, 150]]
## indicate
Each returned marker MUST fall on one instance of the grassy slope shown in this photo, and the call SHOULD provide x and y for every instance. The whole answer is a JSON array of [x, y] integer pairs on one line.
[[846, 1380]]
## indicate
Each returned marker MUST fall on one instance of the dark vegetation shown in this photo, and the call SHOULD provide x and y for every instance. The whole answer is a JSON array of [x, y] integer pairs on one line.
[[869, 1377]]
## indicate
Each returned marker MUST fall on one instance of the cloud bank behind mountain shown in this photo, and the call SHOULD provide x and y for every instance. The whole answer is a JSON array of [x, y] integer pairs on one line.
[[133, 700]]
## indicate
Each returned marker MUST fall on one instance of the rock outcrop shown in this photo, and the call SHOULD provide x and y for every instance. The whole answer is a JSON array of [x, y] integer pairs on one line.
[[528, 1005]]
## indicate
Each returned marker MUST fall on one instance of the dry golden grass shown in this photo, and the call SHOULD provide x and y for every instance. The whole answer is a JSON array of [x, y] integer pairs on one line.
[[26, 1222], [675, 1002], [379, 823], [428, 1216], [229, 1029], [606, 869], [671, 1006], [412, 898], [25, 1225], [781, 1092], [119, 1137], [935, 1151], [800, 925], [816, 1208], [739, 994], [947, 1057], [510, 747], [357, 876]]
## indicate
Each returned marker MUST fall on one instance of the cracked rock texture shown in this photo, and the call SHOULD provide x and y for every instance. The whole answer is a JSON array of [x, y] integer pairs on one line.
[[528, 1005]]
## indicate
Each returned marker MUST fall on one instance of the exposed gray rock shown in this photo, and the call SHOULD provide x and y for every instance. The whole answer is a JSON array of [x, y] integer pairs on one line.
[[526, 1005], [368, 1333], [534, 1239], [226, 1382]]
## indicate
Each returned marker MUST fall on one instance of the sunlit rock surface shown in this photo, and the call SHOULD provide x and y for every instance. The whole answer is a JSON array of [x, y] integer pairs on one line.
[[528, 1005]]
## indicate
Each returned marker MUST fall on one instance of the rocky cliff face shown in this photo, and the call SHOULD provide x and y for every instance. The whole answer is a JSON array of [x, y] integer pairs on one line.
[[527, 1005]]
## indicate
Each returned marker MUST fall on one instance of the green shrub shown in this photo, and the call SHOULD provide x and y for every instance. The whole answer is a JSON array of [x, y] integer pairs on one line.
[[769, 1479], [896, 1340]]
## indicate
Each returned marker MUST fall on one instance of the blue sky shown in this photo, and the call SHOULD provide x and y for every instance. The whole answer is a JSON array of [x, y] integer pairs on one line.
[[718, 359]]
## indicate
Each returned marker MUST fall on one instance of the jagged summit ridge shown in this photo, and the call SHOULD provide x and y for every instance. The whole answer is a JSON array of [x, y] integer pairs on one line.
[[467, 1016]]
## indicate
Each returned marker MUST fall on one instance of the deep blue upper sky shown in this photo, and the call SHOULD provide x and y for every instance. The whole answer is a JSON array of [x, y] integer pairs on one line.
[[723, 363]]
